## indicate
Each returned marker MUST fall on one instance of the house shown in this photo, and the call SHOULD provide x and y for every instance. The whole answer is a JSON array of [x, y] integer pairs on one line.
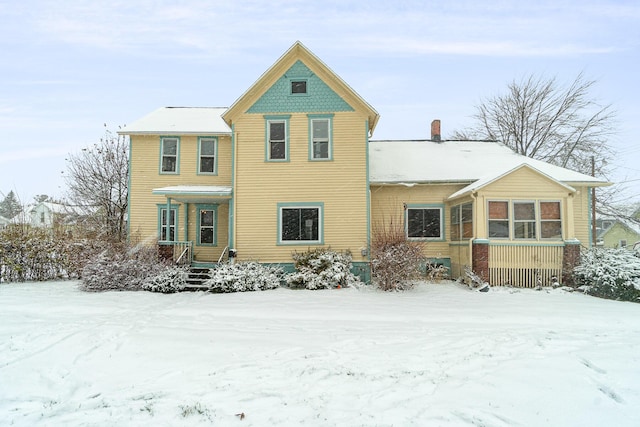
[[4, 222], [618, 232], [46, 214], [291, 165]]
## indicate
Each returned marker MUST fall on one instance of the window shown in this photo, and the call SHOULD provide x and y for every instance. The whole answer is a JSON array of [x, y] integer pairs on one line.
[[524, 220], [531, 220], [320, 139], [424, 223], [207, 217], [298, 87], [300, 224], [168, 228], [623, 243], [550, 220], [207, 155], [499, 219], [169, 155], [277, 139], [462, 222]]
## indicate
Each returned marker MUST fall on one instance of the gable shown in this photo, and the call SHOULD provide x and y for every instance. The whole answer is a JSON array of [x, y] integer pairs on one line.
[[525, 182], [319, 97]]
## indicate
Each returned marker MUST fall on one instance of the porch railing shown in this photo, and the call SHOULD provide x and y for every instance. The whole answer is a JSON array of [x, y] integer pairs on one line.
[[180, 252]]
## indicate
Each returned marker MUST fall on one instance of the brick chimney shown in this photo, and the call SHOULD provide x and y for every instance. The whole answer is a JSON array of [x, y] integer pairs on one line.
[[435, 131]]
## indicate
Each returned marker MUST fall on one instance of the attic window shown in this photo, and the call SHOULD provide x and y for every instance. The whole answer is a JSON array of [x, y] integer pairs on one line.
[[298, 87]]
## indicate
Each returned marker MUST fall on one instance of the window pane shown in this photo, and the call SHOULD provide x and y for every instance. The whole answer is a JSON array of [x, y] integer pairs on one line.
[[277, 150], [299, 86], [168, 164], [423, 223], [207, 147], [467, 212], [320, 129], [499, 229], [524, 211], [170, 147], [206, 218], [300, 224], [276, 131], [524, 230], [498, 210], [467, 230], [206, 235], [551, 230], [207, 164], [321, 150], [549, 210]]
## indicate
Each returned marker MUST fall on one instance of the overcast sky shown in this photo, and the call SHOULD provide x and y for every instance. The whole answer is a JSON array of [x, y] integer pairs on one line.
[[69, 67]]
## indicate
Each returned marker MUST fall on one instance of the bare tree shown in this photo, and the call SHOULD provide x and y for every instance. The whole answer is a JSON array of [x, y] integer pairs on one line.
[[97, 178], [539, 118]]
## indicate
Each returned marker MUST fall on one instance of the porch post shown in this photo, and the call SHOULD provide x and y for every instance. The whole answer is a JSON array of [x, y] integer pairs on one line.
[[570, 258], [186, 221], [480, 258], [169, 220]]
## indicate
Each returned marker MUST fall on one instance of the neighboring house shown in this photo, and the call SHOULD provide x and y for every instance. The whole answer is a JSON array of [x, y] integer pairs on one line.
[[290, 166], [4, 222], [48, 214], [617, 233]]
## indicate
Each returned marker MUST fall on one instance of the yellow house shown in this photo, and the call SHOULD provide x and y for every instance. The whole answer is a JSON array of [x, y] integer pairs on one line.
[[290, 166]]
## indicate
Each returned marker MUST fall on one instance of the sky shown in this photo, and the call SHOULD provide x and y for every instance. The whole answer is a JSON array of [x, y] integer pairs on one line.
[[71, 68]]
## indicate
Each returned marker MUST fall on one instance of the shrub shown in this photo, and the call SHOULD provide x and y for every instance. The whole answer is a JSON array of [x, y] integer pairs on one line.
[[609, 273], [244, 276], [395, 260], [121, 267], [322, 269], [171, 279]]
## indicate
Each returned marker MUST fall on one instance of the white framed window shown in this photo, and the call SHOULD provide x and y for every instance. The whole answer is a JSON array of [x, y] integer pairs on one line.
[[207, 155], [277, 138], [169, 150], [167, 224], [524, 220], [320, 138], [300, 223], [424, 222], [206, 225], [462, 222]]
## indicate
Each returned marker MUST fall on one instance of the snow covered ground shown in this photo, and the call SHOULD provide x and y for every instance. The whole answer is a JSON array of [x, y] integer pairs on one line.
[[439, 355]]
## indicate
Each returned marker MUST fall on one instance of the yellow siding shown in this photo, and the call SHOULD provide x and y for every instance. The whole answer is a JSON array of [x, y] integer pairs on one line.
[[581, 215], [341, 184], [387, 204], [145, 176]]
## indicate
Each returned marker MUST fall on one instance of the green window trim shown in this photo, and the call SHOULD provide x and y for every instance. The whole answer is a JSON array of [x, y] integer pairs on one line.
[[302, 208], [273, 135], [200, 209], [316, 138], [209, 154], [169, 161], [424, 208], [162, 232]]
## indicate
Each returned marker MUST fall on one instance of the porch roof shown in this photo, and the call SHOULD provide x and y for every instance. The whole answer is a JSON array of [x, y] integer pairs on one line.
[[194, 193], [180, 121]]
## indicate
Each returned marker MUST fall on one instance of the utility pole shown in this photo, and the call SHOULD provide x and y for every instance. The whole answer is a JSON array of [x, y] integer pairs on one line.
[[594, 233]]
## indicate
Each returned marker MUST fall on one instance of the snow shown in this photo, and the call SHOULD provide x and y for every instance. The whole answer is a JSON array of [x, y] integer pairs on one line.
[[180, 121], [393, 162], [438, 355]]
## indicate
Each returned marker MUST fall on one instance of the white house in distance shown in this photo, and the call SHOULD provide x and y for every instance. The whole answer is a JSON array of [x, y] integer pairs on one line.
[[4, 222], [44, 214]]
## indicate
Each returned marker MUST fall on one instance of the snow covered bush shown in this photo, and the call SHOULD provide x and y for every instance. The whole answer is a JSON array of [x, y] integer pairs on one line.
[[395, 260], [322, 269], [243, 277], [171, 279], [121, 267], [609, 273]]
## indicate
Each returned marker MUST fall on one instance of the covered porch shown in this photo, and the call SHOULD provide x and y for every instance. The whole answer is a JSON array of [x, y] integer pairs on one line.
[[195, 224]]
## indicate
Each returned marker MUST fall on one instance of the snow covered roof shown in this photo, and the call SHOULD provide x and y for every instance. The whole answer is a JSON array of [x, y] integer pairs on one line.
[[180, 121], [194, 190], [424, 161]]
